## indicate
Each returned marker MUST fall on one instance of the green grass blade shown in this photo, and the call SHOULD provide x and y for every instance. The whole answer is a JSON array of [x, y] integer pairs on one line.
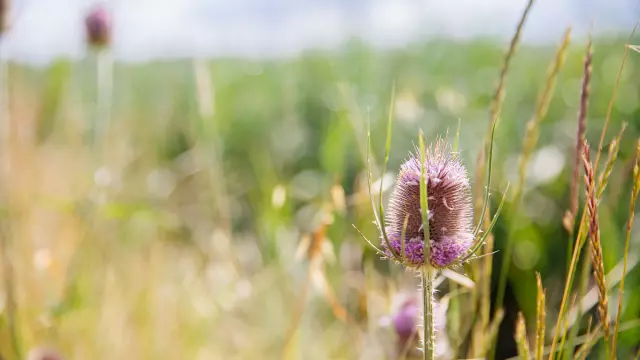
[[488, 184], [489, 228], [457, 141], [387, 150], [424, 201], [632, 207], [379, 220], [403, 254], [380, 252]]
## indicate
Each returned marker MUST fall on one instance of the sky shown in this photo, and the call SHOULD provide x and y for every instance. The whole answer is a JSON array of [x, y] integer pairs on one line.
[[43, 30]]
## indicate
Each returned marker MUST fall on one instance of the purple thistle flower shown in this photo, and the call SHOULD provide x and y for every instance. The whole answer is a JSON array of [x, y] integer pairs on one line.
[[450, 209], [98, 27]]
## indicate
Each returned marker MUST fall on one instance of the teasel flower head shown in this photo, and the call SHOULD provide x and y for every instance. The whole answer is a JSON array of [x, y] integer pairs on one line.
[[98, 27], [450, 213]]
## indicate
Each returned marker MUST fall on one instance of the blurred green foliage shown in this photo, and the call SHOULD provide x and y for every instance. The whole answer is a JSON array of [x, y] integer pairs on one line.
[[227, 195]]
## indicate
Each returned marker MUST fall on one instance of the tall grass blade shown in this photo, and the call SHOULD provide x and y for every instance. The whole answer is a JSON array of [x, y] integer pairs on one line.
[[570, 217], [614, 148], [541, 317], [482, 239], [582, 232], [487, 187], [530, 140], [377, 216], [498, 97], [632, 208], [521, 338], [581, 238], [603, 180], [492, 332], [483, 269], [596, 246], [456, 143], [387, 151]]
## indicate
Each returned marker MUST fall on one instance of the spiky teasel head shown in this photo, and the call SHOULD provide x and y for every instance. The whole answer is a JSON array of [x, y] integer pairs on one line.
[[450, 210], [432, 192]]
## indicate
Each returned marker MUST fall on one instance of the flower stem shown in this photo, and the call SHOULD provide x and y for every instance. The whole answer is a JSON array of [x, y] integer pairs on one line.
[[9, 286], [104, 82], [429, 336]]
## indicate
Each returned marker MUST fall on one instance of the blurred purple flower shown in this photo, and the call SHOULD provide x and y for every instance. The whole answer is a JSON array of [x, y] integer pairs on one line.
[[98, 26], [450, 209], [406, 324], [405, 321], [5, 6]]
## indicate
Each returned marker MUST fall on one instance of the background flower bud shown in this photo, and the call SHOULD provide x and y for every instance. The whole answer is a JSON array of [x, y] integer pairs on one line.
[[98, 27], [5, 7]]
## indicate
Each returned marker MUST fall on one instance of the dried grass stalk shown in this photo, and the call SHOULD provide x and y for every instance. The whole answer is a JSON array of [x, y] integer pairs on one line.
[[530, 141], [542, 104], [614, 148], [521, 338], [632, 208], [603, 180], [541, 317], [570, 217], [484, 267], [591, 339], [596, 246], [492, 331], [581, 233], [497, 100]]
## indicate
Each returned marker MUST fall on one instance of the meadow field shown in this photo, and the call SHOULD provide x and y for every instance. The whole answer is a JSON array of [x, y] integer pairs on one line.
[[203, 208]]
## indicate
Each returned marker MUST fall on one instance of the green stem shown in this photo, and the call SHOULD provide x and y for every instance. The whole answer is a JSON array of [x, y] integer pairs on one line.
[[104, 82], [427, 274], [5, 229]]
